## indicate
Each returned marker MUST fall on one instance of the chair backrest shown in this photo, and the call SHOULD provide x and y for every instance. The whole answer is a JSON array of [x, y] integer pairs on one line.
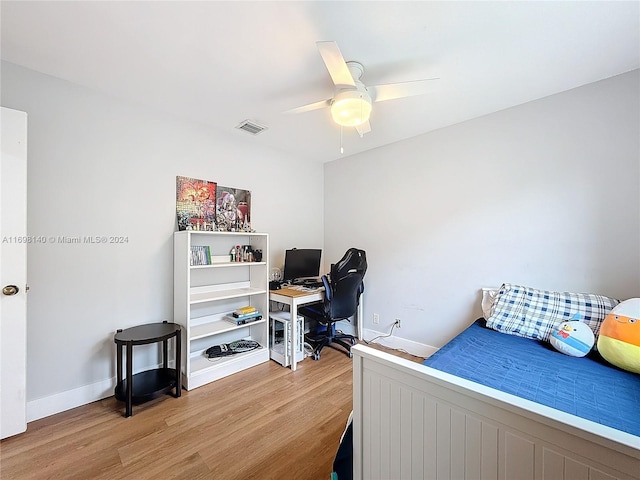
[[345, 284]]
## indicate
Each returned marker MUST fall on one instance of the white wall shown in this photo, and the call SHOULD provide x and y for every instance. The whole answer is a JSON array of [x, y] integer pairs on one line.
[[544, 194], [99, 166]]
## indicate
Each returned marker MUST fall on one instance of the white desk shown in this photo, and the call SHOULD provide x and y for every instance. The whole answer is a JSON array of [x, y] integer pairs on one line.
[[297, 298]]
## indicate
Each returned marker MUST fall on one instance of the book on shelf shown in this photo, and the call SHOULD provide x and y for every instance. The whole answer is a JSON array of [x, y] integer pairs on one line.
[[247, 315], [244, 311], [200, 255], [247, 309], [252, 317]]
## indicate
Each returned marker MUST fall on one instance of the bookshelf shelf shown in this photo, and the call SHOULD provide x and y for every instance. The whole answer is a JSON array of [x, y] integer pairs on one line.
[[216, 325], [212, 296], [228, 265], [204, 370]]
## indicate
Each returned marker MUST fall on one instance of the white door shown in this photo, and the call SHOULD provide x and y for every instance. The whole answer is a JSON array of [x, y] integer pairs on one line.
[[13, 272]]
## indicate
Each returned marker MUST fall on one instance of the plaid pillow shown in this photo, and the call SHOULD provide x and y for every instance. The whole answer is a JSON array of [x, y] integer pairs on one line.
[[527, 312]]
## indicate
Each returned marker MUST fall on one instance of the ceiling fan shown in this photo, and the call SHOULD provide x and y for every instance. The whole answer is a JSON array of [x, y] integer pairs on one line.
[[352, 101]]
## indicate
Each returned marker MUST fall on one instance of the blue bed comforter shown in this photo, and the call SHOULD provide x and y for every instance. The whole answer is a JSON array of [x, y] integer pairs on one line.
[[586, 387]]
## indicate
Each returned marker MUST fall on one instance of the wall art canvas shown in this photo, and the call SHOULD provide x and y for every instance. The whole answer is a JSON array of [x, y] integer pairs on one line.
[[195, 204], [233, 209]]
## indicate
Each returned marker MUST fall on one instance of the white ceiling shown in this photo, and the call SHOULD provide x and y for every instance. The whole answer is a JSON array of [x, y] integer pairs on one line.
[[219, 63]]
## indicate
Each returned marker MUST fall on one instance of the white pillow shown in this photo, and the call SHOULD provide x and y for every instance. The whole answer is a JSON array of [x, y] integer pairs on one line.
[[488, 298]]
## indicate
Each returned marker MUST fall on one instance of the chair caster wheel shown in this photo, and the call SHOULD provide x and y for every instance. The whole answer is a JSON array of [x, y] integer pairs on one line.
[[353, 341], [316, 356]]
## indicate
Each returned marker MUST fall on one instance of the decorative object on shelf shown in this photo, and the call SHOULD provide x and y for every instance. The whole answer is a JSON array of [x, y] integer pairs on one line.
[[233, 210], [244, 253], [195, 204]]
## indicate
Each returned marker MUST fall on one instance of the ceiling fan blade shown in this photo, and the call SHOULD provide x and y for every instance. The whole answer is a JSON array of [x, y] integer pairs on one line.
[[335, 63], [363, 128], [310, 106], [391, 91]]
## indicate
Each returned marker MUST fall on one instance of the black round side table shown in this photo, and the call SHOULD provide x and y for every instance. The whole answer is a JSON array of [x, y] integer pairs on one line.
[[144, 386]]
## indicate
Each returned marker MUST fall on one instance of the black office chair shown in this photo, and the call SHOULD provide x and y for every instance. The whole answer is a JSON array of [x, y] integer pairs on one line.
[[342, 290]]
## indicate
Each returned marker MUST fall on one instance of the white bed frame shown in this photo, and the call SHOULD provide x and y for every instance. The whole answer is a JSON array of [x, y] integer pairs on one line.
[[414, 422]]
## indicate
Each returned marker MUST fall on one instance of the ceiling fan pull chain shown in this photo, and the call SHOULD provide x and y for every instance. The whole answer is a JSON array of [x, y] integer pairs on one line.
[[341, 149]]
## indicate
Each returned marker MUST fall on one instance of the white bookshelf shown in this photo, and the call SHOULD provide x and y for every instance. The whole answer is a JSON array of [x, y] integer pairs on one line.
[[205, 294]]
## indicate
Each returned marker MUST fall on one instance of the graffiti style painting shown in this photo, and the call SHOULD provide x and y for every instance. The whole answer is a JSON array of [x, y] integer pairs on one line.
[[195, 204]]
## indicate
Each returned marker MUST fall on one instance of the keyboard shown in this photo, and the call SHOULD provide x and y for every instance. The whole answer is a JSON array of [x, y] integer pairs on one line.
[[309, 283]]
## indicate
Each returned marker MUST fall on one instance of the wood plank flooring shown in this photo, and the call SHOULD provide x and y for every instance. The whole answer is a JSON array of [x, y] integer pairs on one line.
[[263, 423]]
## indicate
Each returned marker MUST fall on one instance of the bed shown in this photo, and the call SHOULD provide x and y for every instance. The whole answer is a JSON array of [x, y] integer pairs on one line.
[[437, 421]]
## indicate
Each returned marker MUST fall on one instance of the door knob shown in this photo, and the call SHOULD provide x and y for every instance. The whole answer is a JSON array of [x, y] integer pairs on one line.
[[10, 290]]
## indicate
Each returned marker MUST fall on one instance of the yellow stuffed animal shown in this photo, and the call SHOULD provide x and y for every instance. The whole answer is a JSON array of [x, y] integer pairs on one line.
[[619, 339]]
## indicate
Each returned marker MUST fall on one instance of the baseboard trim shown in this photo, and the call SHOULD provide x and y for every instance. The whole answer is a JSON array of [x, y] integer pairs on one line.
[[63, 401], [409, 346], [60, 402]]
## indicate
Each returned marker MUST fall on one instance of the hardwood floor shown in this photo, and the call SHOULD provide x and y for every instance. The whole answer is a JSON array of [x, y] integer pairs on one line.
[[263, 423]]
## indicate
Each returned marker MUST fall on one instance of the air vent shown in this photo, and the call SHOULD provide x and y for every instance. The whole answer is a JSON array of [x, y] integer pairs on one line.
[[251, 127]]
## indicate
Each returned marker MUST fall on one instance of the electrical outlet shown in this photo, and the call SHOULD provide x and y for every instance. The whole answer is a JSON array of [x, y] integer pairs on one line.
[[376, 318], [398, 323]]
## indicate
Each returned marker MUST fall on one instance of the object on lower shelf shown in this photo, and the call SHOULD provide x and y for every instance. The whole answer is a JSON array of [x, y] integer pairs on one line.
[[244, 311], [244, 319], [226, 349]]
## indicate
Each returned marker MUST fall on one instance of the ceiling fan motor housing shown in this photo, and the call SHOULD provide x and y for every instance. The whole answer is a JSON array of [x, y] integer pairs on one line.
[[351, 107]]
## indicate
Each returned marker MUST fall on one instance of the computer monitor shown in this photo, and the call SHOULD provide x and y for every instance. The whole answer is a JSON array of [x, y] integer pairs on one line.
[[301, 263]]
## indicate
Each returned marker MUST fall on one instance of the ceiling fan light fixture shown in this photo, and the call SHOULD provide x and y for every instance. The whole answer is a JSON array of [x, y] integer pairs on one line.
[[351, 108]]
